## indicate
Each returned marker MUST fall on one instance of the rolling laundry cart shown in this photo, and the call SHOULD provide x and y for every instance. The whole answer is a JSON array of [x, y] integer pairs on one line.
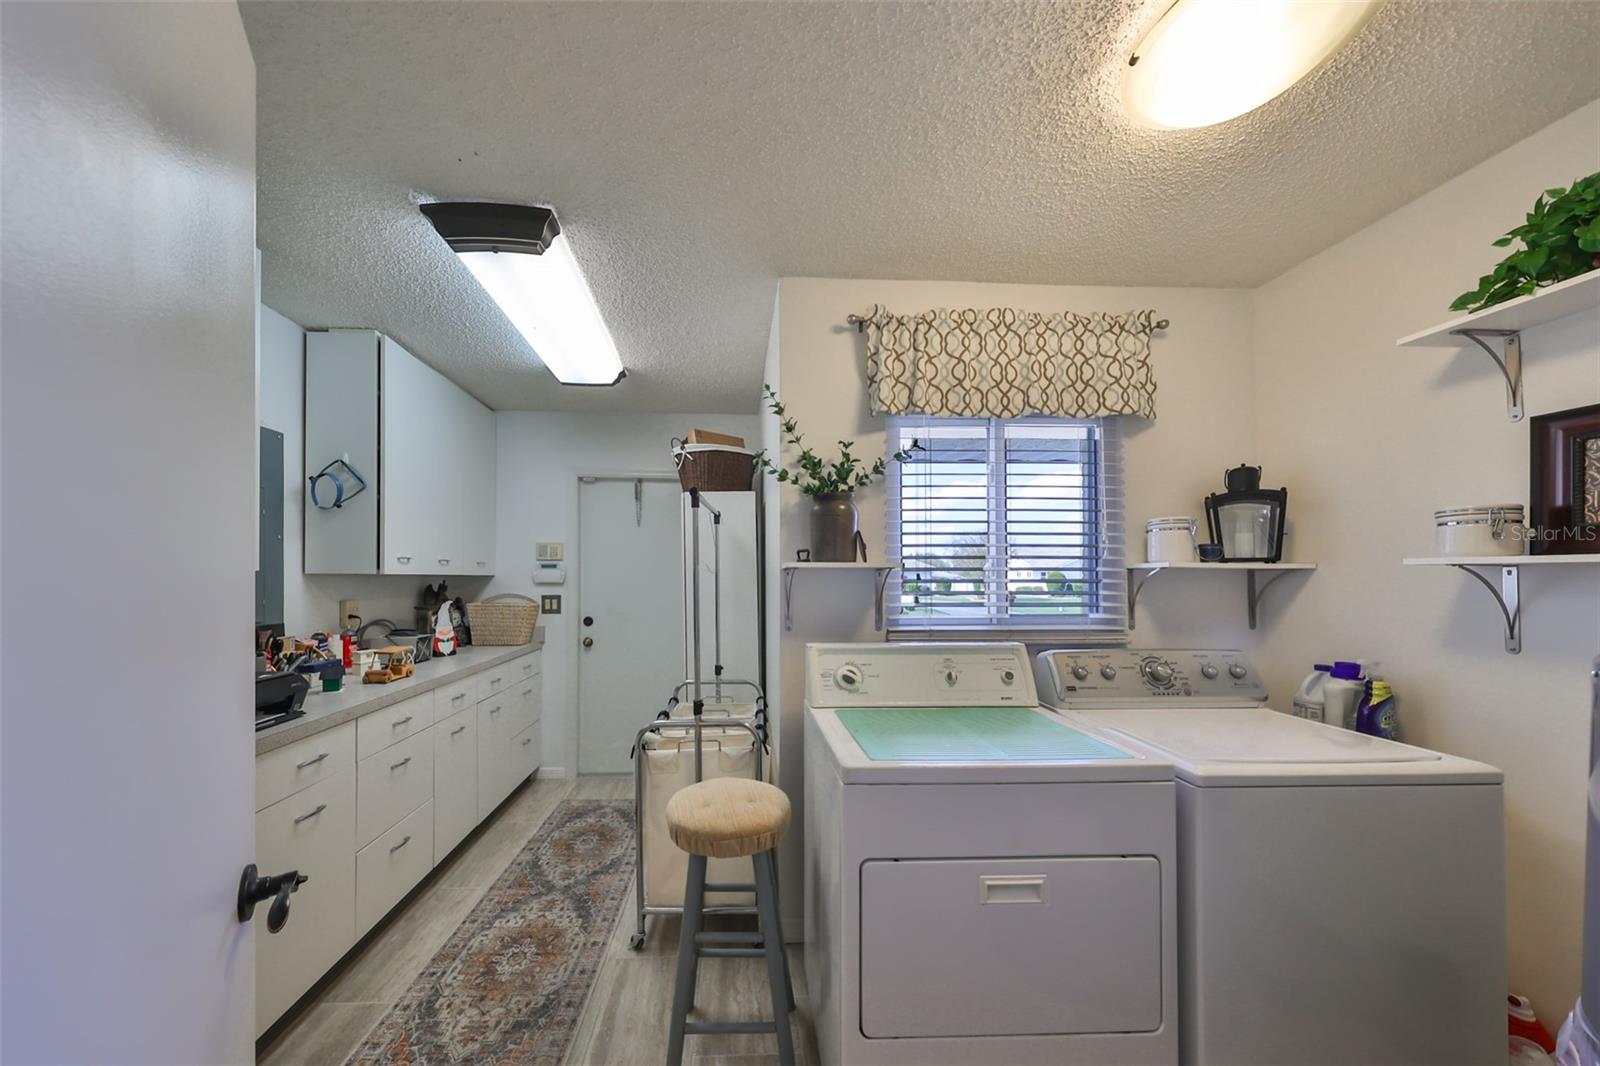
[[708, 729]]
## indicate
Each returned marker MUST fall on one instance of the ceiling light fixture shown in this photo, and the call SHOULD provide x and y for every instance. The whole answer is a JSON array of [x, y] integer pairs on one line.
[[519, 256], [1207, 61]]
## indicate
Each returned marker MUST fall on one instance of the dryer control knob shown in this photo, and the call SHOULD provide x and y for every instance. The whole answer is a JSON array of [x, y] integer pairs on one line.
[[1236, 671], [848, 677], [1209, 671], [1108, 672], [1159, 673], [1080, 672]]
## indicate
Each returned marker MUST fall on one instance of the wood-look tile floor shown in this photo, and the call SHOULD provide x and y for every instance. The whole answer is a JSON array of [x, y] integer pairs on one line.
[[625, 1020]]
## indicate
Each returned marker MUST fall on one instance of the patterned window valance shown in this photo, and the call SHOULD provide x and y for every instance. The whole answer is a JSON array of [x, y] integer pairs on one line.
[[1005, 363]]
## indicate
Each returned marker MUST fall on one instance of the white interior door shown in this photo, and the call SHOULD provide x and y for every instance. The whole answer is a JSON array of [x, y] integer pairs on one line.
[[630, 613], [129, 435]]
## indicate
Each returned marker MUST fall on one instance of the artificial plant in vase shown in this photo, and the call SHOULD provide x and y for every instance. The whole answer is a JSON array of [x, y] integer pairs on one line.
[[1560, 240], [835, 524]]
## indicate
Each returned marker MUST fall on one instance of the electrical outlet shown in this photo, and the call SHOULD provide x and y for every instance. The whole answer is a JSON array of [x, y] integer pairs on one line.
[[550, 604]]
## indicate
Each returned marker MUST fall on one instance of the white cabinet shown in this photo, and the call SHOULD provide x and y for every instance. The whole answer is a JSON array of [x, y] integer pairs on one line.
[[455, 780], [367, 808], [392, 865], [426, 448], [312, 831]]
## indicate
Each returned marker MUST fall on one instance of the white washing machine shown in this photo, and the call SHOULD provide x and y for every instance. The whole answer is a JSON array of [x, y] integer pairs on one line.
[[984, 882], [1341, 899]]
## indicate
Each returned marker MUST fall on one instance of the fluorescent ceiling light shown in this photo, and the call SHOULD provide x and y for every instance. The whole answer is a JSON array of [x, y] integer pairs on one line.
[[524, 262], [1207, 61]]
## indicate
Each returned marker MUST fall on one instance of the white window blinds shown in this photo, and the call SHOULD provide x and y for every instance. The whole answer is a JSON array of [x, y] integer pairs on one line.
[[1006, 527]]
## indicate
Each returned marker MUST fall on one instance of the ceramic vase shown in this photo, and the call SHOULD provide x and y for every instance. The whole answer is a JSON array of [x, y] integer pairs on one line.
[[834, 527]]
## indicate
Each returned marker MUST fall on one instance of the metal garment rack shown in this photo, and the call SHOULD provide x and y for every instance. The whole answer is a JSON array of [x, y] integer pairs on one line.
[[755, 724]]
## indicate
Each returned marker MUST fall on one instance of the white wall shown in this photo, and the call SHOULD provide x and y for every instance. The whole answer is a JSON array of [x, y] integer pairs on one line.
[[1371, 440], [129, 517], [541, 456], [311, 602], [1204, 425]]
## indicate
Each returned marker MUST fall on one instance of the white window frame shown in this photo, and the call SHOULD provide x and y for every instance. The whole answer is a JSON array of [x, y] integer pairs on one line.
[[1107, 624]]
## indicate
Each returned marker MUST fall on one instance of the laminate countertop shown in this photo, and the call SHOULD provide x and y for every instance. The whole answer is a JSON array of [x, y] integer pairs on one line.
[[324, 710]]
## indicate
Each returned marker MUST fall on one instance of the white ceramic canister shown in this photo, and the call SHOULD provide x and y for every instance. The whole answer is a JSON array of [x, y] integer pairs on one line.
[[1485, 529], [1170, 540]]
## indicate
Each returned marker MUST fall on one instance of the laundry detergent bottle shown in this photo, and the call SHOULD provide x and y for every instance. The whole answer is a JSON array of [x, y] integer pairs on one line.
[[1341, 694], [1377, 715], [1309, 700]]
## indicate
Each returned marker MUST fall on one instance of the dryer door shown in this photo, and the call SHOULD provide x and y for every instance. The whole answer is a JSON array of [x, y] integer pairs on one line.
[[994, 947]]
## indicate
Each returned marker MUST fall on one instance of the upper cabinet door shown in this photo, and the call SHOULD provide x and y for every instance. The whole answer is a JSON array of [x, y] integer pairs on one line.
[[414, 537], [341, 404], [478, 513]]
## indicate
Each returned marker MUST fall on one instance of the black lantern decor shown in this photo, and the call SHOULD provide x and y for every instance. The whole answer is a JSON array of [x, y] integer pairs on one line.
[[1247, 520]]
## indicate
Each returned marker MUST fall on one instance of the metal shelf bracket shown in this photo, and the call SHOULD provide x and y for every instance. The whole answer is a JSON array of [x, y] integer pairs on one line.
[[1508, 597], [881, 583], [1508, 359], [1253, 592]]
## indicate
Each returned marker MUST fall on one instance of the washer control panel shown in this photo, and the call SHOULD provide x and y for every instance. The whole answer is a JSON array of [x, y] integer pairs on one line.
[[918, 675], [1124, 676]]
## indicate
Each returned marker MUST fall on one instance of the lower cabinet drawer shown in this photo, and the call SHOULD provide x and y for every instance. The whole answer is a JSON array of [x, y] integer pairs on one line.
[[391, 866], [455, 780], [525, 753], [313, 832], [294, 766], [392, 783]]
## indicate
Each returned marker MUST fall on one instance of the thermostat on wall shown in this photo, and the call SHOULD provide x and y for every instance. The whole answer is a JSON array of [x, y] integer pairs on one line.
[[549, 566]]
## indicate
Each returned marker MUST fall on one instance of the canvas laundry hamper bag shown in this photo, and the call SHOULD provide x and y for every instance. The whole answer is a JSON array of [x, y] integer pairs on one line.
[[667, 766]]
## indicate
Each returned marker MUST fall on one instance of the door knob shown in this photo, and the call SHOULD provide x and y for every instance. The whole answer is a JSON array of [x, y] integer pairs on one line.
[[588, 642], [255, 889]]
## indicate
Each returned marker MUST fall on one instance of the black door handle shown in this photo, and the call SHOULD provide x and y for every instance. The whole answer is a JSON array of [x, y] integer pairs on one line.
[[255, 889]]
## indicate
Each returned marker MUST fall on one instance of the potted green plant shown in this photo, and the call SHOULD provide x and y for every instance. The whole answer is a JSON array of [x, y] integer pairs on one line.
[[835, 523], [1560, 240]]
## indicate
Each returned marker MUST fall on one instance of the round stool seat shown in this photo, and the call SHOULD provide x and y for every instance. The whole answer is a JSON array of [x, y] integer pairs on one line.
[[728, 817]]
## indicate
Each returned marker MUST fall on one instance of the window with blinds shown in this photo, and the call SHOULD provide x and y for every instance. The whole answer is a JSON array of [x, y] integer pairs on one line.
[[1006, 526]]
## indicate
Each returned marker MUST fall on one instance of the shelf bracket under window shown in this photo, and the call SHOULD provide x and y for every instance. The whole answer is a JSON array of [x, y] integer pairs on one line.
[[1508, 359], [1508, 598]]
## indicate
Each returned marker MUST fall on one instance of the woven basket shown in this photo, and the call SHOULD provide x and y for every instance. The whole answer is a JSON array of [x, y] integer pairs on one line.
[[714, 468], [501, 623]]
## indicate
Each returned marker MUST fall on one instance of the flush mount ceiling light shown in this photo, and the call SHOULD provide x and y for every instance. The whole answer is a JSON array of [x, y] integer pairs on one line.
[[1207, 61], [521, 259]]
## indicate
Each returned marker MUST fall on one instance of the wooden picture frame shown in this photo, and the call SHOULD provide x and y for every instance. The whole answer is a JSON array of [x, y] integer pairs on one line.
[[1564, 482]]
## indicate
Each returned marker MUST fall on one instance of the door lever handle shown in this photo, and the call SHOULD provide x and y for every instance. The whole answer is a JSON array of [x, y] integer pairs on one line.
[[278, 888]]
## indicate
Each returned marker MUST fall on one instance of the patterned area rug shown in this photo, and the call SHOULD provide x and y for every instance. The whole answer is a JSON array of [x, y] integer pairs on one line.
[[509, 984]]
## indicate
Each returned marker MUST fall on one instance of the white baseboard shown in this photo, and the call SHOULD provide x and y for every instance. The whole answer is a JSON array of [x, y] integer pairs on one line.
[[552, 771]]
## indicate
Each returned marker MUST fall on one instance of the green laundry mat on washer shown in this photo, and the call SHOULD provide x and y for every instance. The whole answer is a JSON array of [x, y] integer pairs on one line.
[[970, 734]]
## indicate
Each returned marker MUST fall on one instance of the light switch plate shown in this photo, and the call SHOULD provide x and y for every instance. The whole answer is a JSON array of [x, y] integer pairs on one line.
[[550, 604]]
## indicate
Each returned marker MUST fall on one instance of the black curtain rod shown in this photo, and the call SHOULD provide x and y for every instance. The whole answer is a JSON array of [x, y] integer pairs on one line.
[[860, 322]]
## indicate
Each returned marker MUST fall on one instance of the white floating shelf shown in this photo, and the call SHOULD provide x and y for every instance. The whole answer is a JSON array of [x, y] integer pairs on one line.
[[1222, 566], [1499, 560], [1508, 595], [882, 570], [1504, 324], [1252, 590]]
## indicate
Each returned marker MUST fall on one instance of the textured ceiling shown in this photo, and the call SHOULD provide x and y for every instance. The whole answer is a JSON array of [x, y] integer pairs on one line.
[[697, 152]]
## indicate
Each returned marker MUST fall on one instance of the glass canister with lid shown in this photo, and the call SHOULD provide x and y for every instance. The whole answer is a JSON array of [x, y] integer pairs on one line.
[[1483, 529], [1170, 540]]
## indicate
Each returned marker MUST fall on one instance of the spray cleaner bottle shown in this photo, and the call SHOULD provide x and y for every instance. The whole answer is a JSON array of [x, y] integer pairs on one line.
[[1377, 714]]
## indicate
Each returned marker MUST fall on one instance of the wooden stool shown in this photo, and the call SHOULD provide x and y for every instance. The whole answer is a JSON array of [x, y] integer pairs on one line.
[[729, 818]]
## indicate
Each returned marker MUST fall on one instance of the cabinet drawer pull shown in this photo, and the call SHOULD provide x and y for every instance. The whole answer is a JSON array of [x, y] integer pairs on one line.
[[402, 559], [402, 762], [311, 761], [527, 692], [403, 842], [458, 697], [494, 710], [493, 681], [401, 722], [458, 730], [526, 741], [311, 813], [444, 562], [482, 563]]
